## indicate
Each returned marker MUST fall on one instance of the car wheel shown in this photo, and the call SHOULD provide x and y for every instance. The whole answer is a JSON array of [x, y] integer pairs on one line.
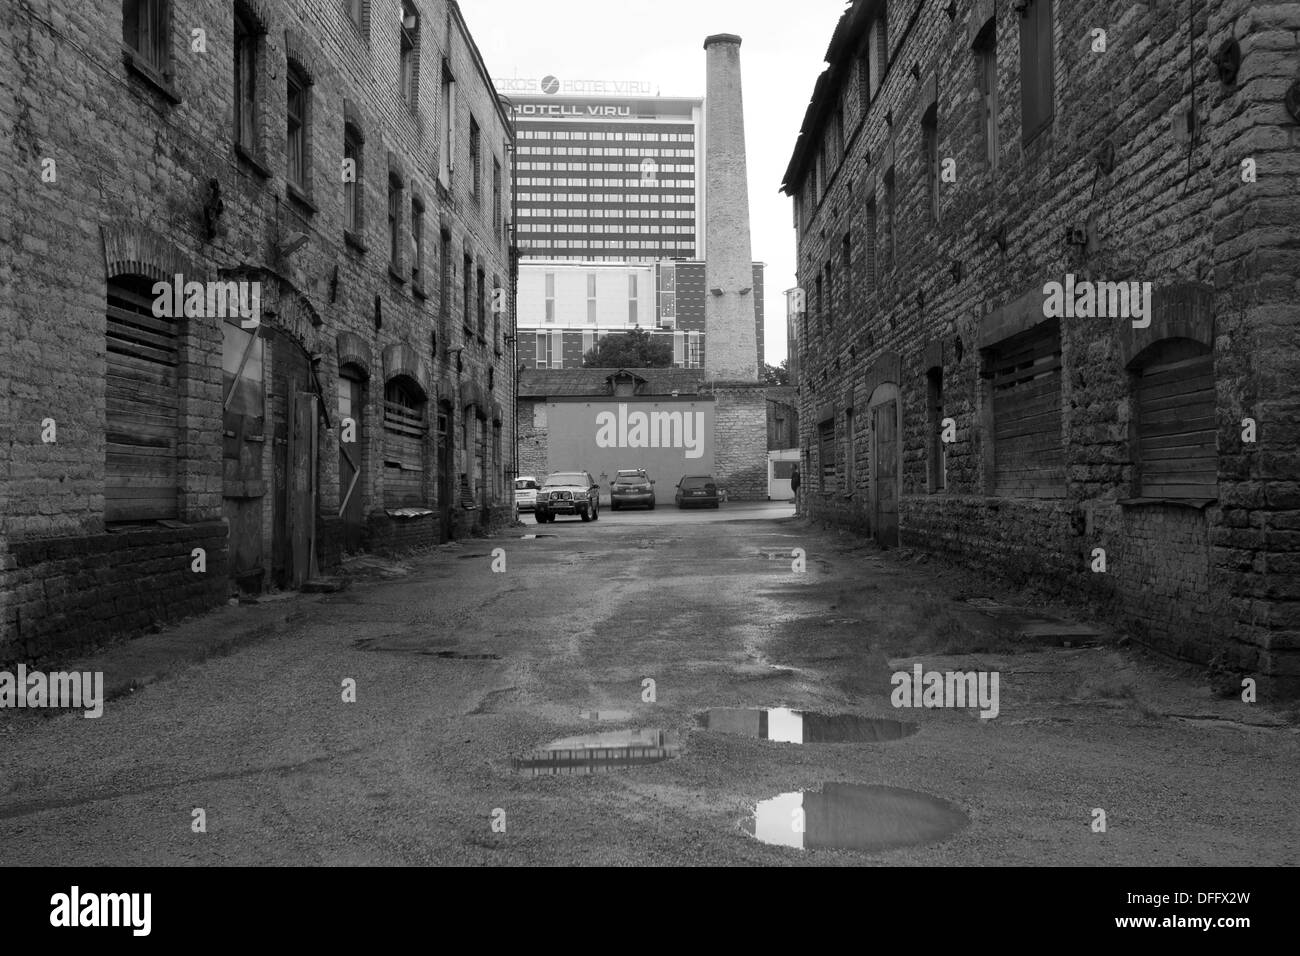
[[613, 506], [652, 506], [541, 518], [585, 514], [595, 512]]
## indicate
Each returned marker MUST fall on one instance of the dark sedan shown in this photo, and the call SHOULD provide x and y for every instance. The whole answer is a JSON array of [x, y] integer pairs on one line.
[[697, 491]]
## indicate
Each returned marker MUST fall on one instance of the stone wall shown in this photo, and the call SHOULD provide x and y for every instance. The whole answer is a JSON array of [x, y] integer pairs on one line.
[[1210, 580], [740, 441]]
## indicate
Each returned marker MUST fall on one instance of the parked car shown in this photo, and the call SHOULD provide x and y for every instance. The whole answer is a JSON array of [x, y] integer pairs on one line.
[[632, 487], [695, 490], [568, 493], [526, 492]]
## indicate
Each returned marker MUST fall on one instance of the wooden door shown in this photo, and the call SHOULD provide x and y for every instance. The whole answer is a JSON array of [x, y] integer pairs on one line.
[[301, 488], [290, 374], [884, 486], [446, 472], [351, 500], [243, 446]]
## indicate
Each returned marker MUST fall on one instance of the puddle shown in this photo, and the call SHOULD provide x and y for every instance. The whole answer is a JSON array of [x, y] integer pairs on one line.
[[527, 536], [464, 556], [849, 816], [459, 656], [601, 753], [606, 715], [797, 727]]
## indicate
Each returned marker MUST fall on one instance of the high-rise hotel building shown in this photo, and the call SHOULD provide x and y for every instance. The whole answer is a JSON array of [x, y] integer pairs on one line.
[[609, 178]]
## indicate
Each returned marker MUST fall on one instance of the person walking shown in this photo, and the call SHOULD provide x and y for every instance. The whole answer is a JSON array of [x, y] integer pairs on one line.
[[794, 486]]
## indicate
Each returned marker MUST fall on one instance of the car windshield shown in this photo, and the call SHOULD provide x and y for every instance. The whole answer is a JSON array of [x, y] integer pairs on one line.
[[566, 478], [525, 484], [629, 480], [696, 482]]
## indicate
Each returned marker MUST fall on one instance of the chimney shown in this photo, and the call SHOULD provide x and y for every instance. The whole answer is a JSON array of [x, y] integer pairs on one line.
[[730, 343]]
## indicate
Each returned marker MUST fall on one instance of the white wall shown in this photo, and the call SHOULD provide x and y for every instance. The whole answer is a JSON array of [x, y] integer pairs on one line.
[[571, 295]]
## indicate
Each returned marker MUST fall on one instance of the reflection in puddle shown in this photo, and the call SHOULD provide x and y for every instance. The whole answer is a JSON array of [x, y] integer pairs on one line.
[[797, 727], [601, 753], [606, 715], [848, 816], [527, 536]]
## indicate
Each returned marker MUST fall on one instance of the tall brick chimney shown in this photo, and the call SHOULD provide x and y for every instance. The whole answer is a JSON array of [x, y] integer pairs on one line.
[[730, 343]]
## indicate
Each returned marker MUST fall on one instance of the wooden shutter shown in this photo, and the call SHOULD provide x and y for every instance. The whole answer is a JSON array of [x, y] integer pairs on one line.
[[404, 431], [1177, 441], [1029, 461], [142, 426]]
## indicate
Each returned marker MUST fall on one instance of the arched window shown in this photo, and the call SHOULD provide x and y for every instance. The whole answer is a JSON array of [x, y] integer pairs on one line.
[[142, 405]]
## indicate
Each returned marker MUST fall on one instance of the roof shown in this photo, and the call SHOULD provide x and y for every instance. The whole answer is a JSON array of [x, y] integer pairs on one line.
[[840, 53], [555, 382]]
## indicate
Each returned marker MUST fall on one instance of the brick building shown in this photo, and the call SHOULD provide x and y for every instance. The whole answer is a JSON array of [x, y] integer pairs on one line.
[[970, 184], [340, 164]]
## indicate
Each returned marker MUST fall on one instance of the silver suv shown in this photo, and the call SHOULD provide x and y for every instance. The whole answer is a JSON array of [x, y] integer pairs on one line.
[[568, 493]]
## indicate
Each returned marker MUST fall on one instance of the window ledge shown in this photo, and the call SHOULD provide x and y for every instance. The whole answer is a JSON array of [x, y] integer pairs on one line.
[[136, 64], [355, 241], [299, 196], [418, 290], [396, 274], [1197, 504], [248, 159]]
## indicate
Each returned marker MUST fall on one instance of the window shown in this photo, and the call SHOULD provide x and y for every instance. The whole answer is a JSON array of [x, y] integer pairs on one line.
[[496, 461], [550, 349], [986, 77], [142, 426], [444, 284], [591, 298], [482, 305], [679, 349], [930, 160], [869, 267], [356, 11], [352, 172], [891, 213], [496, 196], [496, 313], [821, 297], [1024, 374], [417, 243], [298, 162], [447, 161], [395, 222], [475, 159], [588, 342], [408, 64], [146, 29], [864, 78], [1177, 444], [692, 349], [878, 43], [1037, 67], [246, 35], [632, 292], [936, 449], [550, 297], [846, 270], [850, 452], [826, 452], [467, 295], [404, 433]]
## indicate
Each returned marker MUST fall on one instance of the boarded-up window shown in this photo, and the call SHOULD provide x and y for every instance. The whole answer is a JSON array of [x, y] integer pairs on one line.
[[1037, 68], [1177, 443], [404, 431], [1025, 373], [142, 420], [826, 451]]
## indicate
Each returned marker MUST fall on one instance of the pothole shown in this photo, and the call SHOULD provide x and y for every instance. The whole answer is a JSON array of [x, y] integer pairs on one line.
[[787, 726], [850, 816], [600, 753]]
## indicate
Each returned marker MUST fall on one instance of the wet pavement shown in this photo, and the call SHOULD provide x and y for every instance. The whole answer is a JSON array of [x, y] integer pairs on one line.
[[390, 722]]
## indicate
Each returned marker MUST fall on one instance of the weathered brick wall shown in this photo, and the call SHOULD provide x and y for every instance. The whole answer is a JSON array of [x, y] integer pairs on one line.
[[133, 164], [740, 441], [532, 439], [1169, 212]]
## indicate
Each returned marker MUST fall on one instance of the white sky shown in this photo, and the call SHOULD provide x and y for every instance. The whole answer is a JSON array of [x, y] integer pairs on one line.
[[663, 43]]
